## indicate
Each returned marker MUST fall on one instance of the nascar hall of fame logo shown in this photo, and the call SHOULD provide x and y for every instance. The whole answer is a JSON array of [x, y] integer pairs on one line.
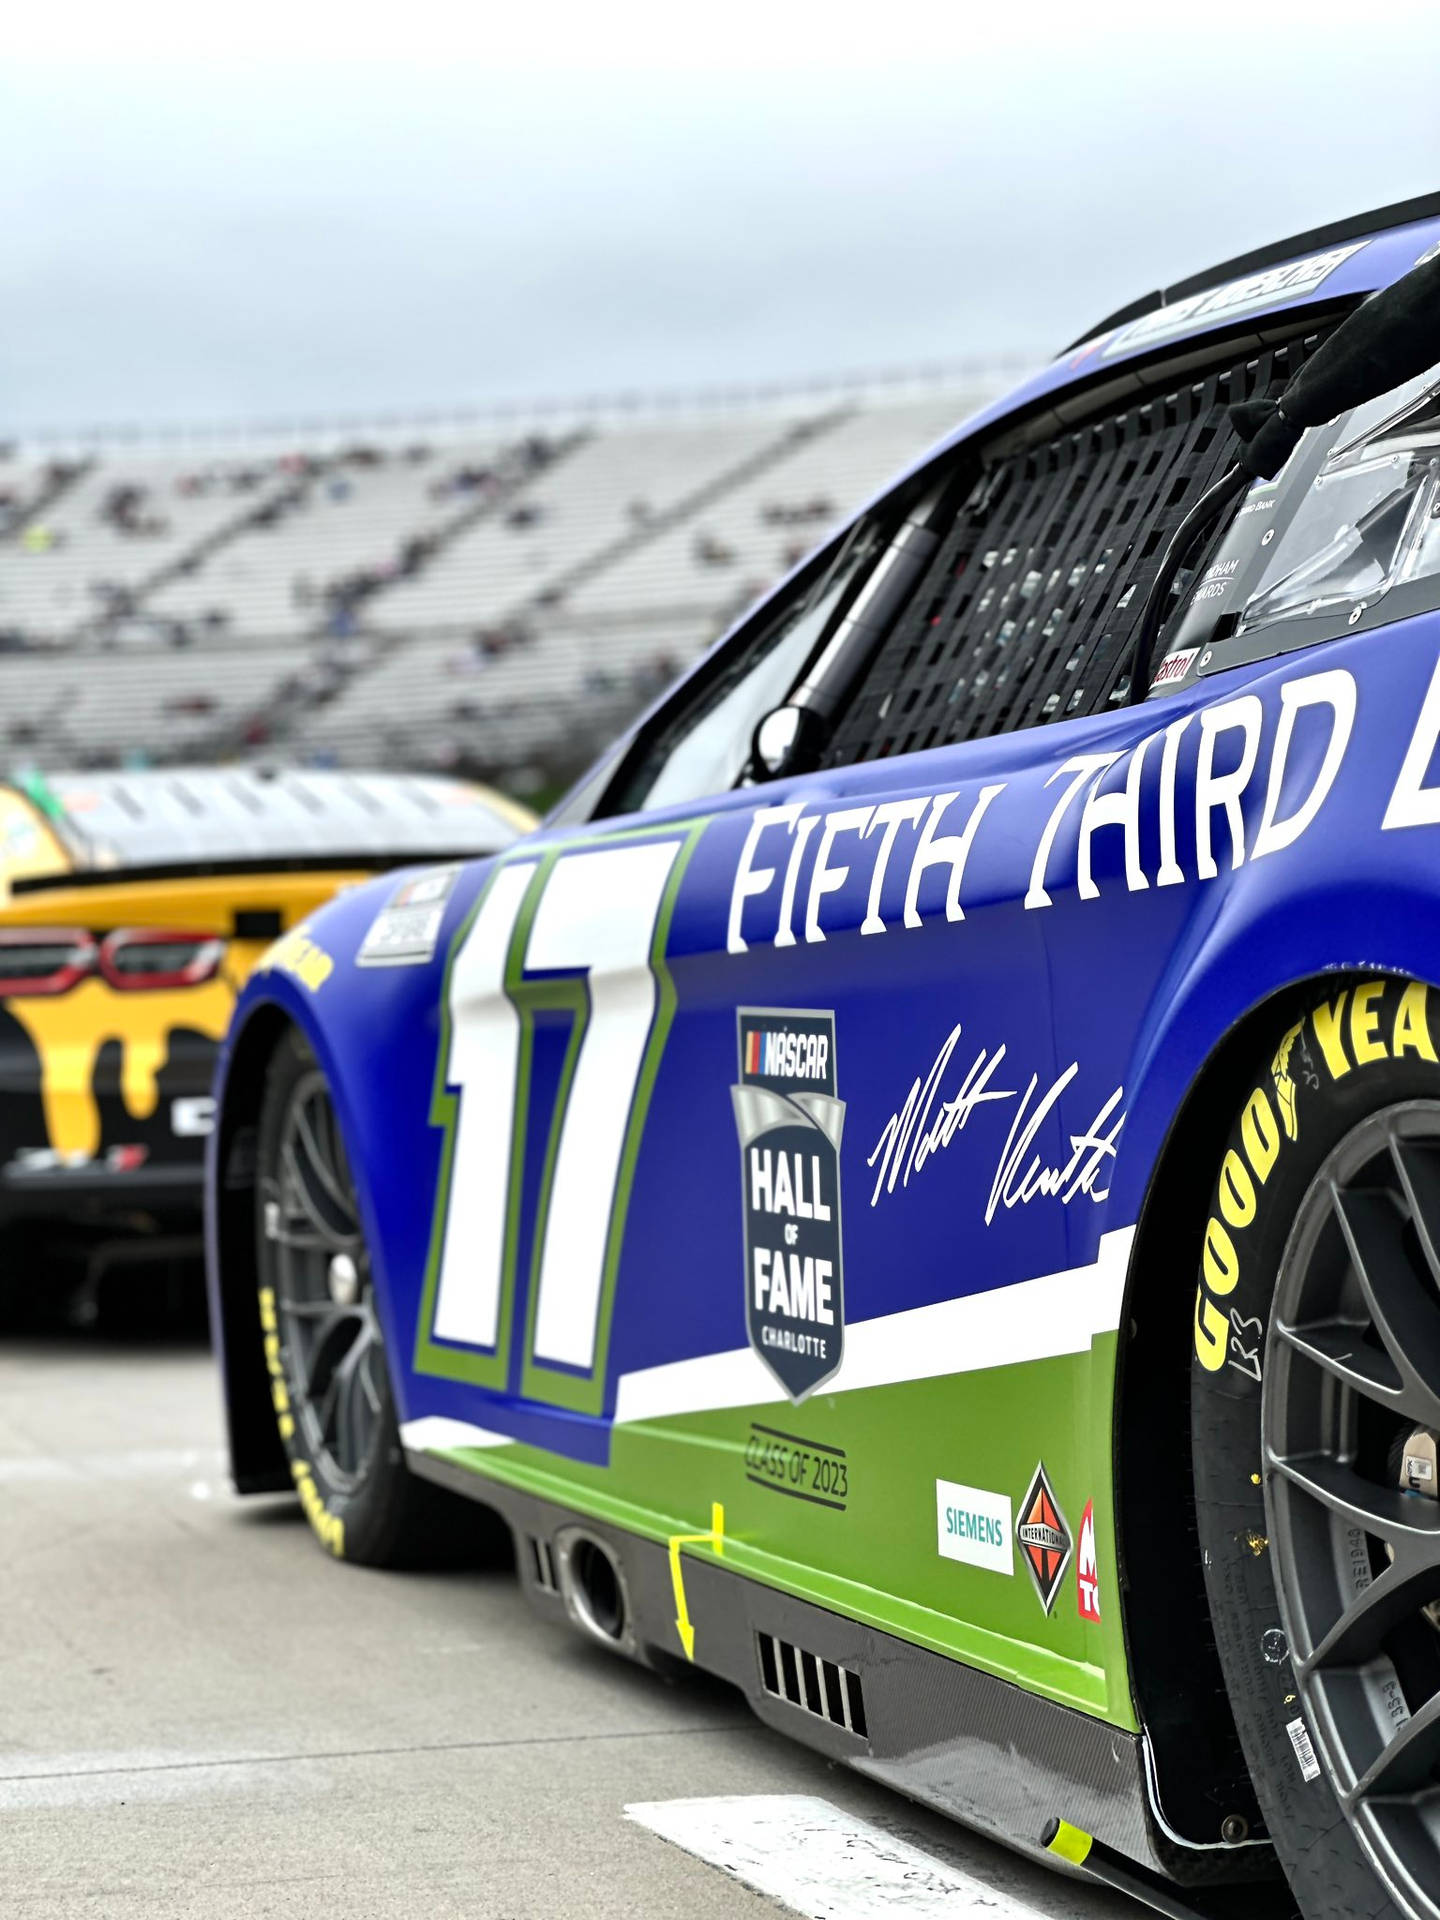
[[790, 1123], [1043, 1537]]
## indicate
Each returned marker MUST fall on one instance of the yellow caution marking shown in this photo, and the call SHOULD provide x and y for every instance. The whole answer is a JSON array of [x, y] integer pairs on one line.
[[715, 1539], [1070, 1843]]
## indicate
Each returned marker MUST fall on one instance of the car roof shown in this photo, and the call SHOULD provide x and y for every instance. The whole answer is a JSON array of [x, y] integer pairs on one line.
[[1358, 226], [1241, 302], [195, 816]]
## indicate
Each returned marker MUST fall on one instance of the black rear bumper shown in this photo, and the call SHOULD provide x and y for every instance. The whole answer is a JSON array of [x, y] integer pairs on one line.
[[90, 1198]]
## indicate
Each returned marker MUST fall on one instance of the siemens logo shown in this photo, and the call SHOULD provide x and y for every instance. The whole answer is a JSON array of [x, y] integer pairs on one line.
[[973, 1525]]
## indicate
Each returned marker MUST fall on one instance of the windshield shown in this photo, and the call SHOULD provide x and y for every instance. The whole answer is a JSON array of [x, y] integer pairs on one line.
[[1348, 533]]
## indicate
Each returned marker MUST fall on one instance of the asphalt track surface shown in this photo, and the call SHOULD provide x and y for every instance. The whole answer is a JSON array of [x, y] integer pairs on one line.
[[201, 1715]]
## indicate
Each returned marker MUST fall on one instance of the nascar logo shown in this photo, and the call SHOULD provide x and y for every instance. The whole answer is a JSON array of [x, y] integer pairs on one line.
[[784, 1052]]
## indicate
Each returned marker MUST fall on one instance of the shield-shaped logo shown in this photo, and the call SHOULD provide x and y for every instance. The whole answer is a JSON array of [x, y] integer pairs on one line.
[[1044, 1537], [790, 1123]]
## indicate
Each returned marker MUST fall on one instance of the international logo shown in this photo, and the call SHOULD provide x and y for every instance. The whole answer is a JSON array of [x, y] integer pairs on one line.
[[1043, 1537], [790, 1121]]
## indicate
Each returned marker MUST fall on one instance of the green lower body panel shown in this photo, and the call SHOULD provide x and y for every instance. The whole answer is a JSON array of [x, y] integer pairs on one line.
[[917, 1509]]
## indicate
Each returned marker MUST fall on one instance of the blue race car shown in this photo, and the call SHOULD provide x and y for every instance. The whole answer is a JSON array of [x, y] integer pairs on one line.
[[918, 1189]]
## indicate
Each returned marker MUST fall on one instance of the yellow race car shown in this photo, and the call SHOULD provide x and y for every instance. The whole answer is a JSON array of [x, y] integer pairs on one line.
[[132, 908]]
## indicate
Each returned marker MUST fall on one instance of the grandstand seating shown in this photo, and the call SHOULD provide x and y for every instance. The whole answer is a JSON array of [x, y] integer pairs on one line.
[[499, 602], [433, 701], [602, 495], [54, 581], [828, 475], [93, 708], [349, 516]]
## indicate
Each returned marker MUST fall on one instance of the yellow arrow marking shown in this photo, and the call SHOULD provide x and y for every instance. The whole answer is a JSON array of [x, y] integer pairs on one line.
[[714, 1538]]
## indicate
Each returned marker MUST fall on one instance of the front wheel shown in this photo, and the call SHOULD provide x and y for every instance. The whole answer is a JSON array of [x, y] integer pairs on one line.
[[324, 1346], [1316, 1444]]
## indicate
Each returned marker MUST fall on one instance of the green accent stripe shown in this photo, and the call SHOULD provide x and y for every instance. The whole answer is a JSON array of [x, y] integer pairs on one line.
[[876, 1558]]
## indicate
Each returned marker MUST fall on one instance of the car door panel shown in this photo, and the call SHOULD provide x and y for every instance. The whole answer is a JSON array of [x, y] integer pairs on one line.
[[914, 937]]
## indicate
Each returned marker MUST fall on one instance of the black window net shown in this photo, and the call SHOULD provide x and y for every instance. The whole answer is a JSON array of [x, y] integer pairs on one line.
[[1030, 607]]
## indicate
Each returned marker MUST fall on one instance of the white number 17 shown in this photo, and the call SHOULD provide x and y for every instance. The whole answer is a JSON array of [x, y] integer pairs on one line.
[[580, 933]]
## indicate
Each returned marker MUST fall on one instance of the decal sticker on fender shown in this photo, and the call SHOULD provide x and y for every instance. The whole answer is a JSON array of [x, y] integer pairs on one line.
[[1043, 1537], [404, 932], [803, 1469], [790, 1121], [1174, 667], [1087, 1573], [298, 955], [973, 1526]]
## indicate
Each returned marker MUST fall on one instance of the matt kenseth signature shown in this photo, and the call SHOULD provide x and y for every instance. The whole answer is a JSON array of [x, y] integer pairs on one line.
[[929, 1120]]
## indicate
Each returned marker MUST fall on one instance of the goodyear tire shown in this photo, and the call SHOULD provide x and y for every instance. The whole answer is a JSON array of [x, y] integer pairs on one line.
[[324, 1346], [1316, 1393]]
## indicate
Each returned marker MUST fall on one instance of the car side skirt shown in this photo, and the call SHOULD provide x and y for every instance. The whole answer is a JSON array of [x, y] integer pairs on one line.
[[974, 1747]]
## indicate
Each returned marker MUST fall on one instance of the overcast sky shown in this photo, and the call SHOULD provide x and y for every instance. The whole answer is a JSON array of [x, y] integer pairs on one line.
[[322, 211]]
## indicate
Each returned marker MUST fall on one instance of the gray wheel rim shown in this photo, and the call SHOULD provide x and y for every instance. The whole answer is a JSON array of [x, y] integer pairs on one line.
[[330, 1340], [1352, 1366]]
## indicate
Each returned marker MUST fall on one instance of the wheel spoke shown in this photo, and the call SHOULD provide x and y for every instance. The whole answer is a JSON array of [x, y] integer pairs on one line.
[[323, 1309], [307, 1242], [327, 1406], [325, 1353], [1406, 1763], [1394, 1516], [1395, 1593], [349, 1440], [367, 1380], [321, 1161], [315, 1204], [1356, 1332], [1407, 1322], [1419, 1170], [1338, 1347], [296, 1191]]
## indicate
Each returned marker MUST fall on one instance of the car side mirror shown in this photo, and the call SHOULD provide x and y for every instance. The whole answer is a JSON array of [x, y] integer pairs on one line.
[[787, 740]]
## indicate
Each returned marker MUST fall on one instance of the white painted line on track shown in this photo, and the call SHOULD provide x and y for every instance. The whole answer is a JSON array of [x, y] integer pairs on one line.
[[821, 1862]]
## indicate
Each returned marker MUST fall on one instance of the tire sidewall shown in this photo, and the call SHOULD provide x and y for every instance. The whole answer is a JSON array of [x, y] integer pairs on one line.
[[1362, 1047], [350, 1521]]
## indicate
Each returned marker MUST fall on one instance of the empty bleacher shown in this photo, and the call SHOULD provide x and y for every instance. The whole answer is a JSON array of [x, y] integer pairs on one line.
[[350, 516], [484, 599], [607, 493], [747, 537], [66, 563]]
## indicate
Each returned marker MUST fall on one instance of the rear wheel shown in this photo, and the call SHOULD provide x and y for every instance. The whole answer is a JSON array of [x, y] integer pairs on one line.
[[1316, 1424], [324, 1345]]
